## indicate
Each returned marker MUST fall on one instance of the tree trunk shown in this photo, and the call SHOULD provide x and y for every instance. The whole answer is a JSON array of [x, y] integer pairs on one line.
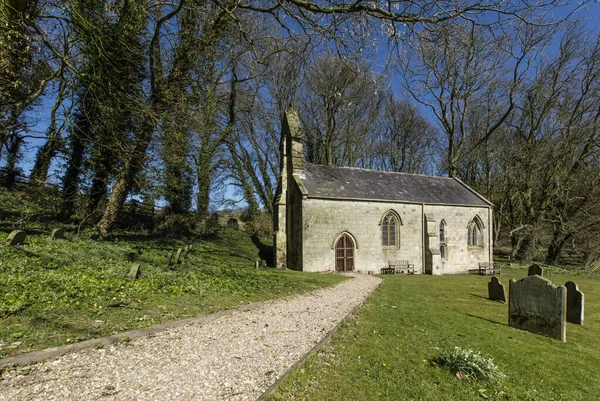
[[100, 182], [43, 159], [555, 247], [178, 177], [203, 167], [516, 247], [117, 199], [71, 178], [125, 178]]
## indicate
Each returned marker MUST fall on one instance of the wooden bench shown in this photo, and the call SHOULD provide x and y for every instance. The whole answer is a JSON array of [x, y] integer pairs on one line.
[[387, 270], [401, 267], [488, 268]]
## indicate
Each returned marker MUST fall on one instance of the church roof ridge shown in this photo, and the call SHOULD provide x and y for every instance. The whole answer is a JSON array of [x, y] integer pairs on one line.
[[381, 171], [332, 182]]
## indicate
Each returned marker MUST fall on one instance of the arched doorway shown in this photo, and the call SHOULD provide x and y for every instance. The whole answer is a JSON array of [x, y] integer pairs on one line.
[[344, 254]]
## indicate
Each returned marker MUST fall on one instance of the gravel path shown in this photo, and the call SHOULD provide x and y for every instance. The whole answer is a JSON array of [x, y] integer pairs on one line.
[[233, 357]]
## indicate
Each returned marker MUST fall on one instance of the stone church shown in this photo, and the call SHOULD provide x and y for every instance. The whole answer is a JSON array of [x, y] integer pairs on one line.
[[350, 219]]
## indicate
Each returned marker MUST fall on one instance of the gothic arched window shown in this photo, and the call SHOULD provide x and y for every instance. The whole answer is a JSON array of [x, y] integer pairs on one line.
[[390, 230], [474, 237]]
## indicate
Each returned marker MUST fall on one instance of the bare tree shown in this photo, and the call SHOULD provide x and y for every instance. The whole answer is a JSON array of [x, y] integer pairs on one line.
[[339, 104], [406, 141]]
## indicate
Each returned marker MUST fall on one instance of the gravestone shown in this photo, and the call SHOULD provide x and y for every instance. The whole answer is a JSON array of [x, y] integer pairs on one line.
[[57, 233], [538, 306], [186, 250], [17, 237], [575, 303], [496, 290], [178, 256], [134, 272], [169, 258], [535, 269]]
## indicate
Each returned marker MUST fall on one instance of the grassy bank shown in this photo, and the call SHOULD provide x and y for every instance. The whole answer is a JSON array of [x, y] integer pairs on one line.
[[59, 292], [387, 350]]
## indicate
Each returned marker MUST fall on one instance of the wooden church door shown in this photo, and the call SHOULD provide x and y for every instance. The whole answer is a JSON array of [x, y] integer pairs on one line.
[[344, 254]]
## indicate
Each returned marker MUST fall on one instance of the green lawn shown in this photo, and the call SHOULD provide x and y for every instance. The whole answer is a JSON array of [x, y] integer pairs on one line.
[[385, 351], [64, 291]]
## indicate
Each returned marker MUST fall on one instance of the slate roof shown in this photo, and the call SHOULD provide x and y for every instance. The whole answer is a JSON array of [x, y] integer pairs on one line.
[[355, 183]]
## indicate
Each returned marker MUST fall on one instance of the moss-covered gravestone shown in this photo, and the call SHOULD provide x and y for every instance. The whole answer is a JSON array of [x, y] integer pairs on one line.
[[57, 233], [496, 290], [535, 269], [185, 252], [538, 306], [17, 237], [575, 303], [178, 256], [134, 272], [169, 258]]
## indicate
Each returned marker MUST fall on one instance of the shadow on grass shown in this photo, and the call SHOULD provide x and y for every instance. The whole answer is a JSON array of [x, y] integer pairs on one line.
[[478, 296], [486, 319], [265, 252]]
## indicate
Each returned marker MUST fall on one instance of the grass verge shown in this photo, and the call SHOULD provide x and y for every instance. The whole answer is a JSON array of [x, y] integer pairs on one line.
[[59, 292], [387, 350]]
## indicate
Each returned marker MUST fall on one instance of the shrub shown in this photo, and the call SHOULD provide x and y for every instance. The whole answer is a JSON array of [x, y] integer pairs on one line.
[[470, 364], [261, 225], [177, 225], [233, 223]]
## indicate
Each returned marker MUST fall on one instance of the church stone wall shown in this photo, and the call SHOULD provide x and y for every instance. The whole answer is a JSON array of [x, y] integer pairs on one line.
[[324, 220], [460, 257]]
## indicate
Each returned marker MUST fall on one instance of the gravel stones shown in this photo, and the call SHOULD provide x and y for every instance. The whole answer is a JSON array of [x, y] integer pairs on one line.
[[232, 357]]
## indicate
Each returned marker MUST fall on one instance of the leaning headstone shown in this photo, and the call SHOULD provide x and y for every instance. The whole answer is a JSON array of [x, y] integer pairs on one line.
[[57, 233], [134, 272], [538, 306], [17, 237], [496, 290], [186, 250], [178, 256], [169, 258], [535, 269], [575, 303]]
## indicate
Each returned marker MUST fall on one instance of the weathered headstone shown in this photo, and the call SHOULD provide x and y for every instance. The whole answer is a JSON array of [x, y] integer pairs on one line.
[[575, 303], [17, 237], [496, 290], [535, 269], [256, 264], [57, 233], [178, 256], [134, 272], [538, 306], [169, 258], [186, 250]]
